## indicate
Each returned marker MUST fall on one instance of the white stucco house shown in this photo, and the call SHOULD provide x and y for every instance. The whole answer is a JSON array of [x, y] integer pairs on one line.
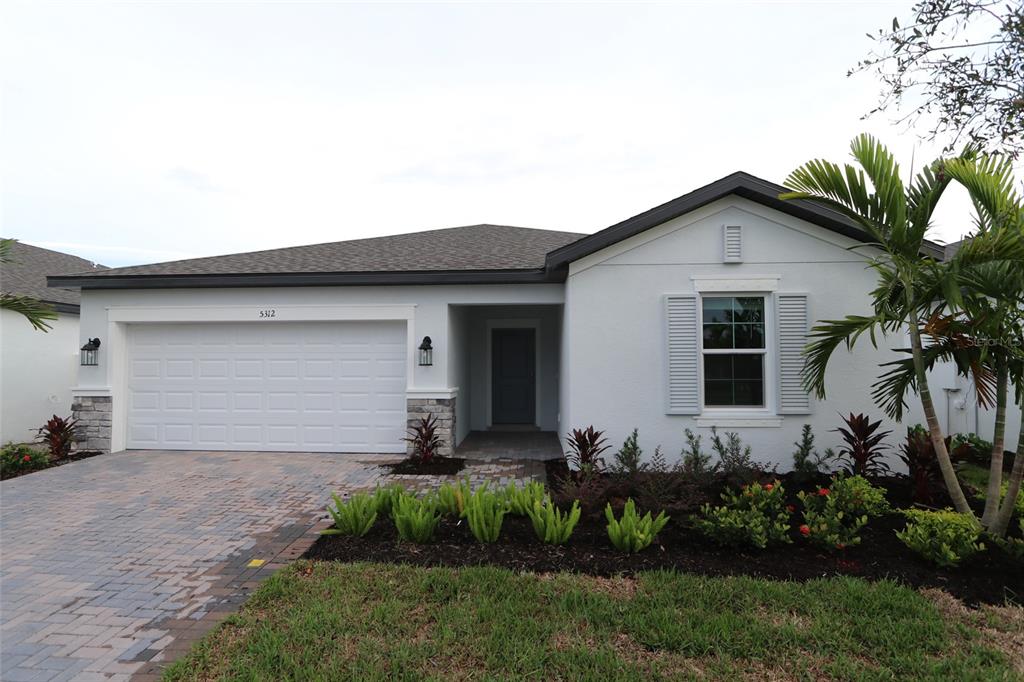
[[690, 315], [37, 369]]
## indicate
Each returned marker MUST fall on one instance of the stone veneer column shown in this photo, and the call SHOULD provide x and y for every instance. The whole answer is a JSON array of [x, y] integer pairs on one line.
[[93, 415], [443, 410]]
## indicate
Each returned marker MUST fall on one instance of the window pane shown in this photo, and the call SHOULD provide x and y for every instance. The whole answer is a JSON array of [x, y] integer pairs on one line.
[[718, 393], [748, 366], [749, 309], [717, 310], [718, 336], [734, 380], [718, 367], [749, 393], [748, 336]]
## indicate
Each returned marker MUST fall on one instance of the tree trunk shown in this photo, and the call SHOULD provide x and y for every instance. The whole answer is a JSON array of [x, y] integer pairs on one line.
[[1012, 490], [956, 493], [995, 467]]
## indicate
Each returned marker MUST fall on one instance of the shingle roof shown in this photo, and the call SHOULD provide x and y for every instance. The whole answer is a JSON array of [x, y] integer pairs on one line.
[[476, 254], [474, 247], [29, 266]]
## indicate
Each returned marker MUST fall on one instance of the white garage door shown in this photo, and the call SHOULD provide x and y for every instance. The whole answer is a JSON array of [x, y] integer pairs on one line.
[[306, 387]]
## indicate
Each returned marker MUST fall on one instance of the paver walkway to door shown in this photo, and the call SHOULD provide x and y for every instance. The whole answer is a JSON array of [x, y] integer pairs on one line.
[[112, 566]]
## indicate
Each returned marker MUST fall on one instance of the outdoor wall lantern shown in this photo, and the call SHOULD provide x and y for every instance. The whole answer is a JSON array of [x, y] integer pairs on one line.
[[89, 353], [426, 353]]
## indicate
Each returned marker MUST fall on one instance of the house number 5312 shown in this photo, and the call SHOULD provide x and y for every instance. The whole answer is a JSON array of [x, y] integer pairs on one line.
[[268, 313]]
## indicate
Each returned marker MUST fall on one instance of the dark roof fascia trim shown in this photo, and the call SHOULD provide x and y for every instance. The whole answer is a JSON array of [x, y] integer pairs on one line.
[[740, 184], [68, 308], [312, 279]]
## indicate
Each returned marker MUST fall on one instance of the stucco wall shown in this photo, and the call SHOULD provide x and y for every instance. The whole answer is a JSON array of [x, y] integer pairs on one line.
[[37, 371], [108, 314], [614, 360]]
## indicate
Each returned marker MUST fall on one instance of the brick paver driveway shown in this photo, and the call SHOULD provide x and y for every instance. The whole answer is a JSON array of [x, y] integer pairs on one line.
[[100, 556], [111, 566]]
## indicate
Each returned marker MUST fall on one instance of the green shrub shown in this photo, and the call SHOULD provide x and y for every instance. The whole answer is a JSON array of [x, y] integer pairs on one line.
[[1018, 504], [734, 458], [628, 461], [415, 518], [756, 516], [807, 462], [385, 497], [520, 501], [632, 532], [694, 462], [451, 499], [16, 459], [353, 517], [834, 516], [553, 526], [485, 512], [943, 537], [1012, 546]]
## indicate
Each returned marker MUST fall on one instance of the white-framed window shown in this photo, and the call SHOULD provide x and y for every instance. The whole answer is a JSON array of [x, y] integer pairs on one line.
[[734, 350]]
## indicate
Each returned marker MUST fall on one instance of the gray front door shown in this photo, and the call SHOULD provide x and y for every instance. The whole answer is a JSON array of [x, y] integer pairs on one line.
[[513, 376]]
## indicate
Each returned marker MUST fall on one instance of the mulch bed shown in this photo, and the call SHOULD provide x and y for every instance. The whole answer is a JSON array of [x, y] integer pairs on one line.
[[73, 457], [439, 466], [991, 577]]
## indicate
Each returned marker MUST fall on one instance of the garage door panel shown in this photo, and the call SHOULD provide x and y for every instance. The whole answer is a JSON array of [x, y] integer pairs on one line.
[[331, 387]]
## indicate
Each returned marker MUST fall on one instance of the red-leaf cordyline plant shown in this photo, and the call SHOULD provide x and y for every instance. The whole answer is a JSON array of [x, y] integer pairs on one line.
[[424, 440], [864, 452], [918, 454], [58, 434], [585, 448], [914, 283]]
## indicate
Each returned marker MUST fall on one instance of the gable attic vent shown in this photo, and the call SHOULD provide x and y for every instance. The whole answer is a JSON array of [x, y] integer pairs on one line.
[[732, 244]]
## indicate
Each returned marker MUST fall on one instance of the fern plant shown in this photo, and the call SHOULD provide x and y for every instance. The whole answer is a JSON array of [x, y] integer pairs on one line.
[[415, 518], [451, 499], [384, 497], [552, 525], [353, 517], [520, 501], [632, 532], [485, 512]]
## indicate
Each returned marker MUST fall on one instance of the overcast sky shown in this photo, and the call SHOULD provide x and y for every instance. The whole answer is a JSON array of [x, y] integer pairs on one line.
[[135, 133]]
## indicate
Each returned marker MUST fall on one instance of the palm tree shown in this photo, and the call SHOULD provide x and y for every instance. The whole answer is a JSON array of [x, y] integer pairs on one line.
[[994, 301], [36, 312], [912, 289]]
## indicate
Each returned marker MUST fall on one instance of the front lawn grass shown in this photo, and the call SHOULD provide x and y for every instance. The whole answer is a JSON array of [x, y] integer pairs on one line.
[[327, 621]]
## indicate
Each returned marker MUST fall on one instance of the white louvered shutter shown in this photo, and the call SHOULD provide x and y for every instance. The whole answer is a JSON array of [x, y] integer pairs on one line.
[[791, 315], [732, 243], [683, 355]]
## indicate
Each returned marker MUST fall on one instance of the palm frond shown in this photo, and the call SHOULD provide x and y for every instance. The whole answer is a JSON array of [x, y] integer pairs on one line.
[[828, 335], [36, 312]]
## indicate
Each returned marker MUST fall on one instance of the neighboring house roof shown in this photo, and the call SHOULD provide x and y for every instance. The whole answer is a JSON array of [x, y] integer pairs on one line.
[[26, 272], [476, 254]]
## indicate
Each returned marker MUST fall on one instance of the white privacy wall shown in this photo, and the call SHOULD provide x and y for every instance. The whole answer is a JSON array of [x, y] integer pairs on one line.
[[109, 314], [37, 371], [956, 402], [614, 345]]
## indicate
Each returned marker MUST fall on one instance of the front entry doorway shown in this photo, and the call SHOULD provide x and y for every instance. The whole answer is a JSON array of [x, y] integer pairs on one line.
[[514, 377]]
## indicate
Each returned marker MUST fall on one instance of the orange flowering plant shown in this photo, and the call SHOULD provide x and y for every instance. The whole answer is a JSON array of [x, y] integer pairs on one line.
[[17, 459], [834, 516], [754, 515]]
